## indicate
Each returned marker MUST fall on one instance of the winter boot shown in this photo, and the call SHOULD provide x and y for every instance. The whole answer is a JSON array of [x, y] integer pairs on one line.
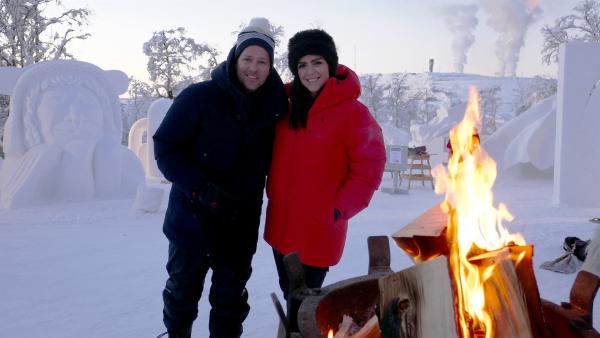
[[184, 333]]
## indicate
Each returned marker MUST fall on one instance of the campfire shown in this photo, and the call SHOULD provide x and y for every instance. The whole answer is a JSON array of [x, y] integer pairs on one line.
[[475, 227], [478, 292], [472, 277]]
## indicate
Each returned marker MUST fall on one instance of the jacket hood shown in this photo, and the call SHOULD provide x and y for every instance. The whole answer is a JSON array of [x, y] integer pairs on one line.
[[272, 90], [224, 75], [344, 86]]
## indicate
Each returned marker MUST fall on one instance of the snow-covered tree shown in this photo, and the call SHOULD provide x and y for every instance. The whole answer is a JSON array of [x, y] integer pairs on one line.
[[528, 94], [3, 116], [141, 95], [173, 57], [28, 34], [583, 25], [489, 101], [401, 101], [372, 94]]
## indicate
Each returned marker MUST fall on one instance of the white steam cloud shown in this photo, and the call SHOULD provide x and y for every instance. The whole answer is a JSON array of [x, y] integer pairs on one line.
[[510, 19], [461, 22]]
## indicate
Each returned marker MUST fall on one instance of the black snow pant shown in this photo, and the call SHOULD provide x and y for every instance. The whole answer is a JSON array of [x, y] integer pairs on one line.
[[314, 275], [228, 295]]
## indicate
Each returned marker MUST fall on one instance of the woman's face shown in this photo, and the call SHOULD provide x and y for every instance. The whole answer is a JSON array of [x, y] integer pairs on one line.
[[70, 113], [313, 72]]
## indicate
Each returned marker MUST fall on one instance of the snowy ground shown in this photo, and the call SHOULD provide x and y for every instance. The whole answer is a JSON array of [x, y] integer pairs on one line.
[[96, 269]]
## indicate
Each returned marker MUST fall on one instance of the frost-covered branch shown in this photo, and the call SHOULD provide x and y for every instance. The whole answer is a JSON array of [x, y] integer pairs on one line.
[[174, 58], [28, 35], [584, 25]]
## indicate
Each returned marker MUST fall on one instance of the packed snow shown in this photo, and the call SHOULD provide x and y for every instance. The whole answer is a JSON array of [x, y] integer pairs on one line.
[[96, 269]]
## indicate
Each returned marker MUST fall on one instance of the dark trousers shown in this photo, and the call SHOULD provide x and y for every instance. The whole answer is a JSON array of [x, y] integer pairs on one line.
[[228, 295], [314, 275]]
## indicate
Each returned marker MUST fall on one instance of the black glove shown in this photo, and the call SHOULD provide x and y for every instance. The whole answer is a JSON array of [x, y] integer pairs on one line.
[[337, 214], [219, 202]]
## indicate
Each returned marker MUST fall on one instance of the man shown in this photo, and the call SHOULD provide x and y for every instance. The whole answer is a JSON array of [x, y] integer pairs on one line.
[[214, 145]]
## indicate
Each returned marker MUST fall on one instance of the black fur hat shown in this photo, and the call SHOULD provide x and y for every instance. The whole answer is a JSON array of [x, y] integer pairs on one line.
[[312, 42]]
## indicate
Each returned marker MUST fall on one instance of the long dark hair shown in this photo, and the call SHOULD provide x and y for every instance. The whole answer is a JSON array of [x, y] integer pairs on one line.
[[301, 100]]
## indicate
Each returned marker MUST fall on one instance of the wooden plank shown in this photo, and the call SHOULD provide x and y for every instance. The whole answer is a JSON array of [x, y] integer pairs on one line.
[[425, 237], [432, 222], [417, 302]]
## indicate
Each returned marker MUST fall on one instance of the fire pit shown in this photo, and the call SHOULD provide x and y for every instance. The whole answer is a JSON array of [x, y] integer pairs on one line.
[[357, 297]]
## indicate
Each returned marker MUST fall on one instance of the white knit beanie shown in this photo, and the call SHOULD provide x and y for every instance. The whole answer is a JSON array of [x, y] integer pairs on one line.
[[258, 32]]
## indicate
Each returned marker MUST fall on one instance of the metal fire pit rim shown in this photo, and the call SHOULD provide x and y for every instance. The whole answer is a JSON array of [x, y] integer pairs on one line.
[[307, 317]]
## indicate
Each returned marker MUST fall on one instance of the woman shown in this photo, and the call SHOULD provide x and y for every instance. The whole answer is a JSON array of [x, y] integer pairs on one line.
[[328, 159]]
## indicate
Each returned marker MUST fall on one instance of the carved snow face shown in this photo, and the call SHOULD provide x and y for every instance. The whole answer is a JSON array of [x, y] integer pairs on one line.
[[70, 113]]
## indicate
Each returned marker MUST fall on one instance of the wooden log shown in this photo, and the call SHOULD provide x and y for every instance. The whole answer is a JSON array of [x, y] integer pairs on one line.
[[425, 237], [369, 330], [418, 302], [522, 261], [504, 297]]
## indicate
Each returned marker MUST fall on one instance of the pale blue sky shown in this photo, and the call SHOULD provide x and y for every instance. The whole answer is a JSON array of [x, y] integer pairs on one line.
[[372, 35]]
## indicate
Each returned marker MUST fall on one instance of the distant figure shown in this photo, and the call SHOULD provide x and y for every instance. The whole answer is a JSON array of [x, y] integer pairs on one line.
[[475, 143], [328, 160], [63, 137]]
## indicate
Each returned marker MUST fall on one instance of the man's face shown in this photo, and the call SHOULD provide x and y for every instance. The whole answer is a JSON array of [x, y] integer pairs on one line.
[[253, 67]]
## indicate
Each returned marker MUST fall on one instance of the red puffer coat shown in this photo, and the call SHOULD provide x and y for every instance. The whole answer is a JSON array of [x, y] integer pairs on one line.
[[336, 162]]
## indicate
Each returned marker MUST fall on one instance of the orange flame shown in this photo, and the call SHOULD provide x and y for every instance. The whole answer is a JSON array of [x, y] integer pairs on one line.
[[474, 225], [330, 334]]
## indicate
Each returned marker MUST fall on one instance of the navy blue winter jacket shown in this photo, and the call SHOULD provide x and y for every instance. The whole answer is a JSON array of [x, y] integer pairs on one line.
[[216, 133]]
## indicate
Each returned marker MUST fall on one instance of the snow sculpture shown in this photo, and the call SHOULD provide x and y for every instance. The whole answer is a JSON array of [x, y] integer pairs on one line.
[[137, 139], [62, 137], [147, 126], [148, 199], [577, 155], [526, 139], [156, 113]]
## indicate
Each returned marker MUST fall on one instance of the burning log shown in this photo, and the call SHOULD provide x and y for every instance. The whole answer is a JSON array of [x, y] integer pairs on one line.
[[415, 297], [425, 237], [348, 326], [505, 299]]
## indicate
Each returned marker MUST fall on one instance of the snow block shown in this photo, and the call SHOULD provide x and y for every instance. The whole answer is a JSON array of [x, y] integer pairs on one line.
[[577, 155]]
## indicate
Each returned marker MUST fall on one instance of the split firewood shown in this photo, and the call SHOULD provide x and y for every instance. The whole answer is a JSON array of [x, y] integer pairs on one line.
[[344, 328], [369, 330], [425, 237], [418, 302], [505, 299], [348, 326]]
